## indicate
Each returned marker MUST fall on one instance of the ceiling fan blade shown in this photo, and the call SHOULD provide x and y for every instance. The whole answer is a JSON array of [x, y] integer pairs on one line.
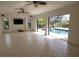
[[30, 3], [42, 3], [18, 8], [23, 12], [19, 12], [37, 3]]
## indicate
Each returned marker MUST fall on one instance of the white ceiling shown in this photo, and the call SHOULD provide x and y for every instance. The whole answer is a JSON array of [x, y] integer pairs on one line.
[[9, 6]]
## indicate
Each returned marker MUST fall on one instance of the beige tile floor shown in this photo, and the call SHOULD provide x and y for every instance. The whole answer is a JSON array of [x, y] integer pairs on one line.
[[30, 44]]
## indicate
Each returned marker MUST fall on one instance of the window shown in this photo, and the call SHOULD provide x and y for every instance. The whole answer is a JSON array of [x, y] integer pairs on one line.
[[29, 23], [5, 23]]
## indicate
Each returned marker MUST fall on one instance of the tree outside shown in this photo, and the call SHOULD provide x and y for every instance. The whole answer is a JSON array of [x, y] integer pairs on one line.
[[59, 21], [41, 23]]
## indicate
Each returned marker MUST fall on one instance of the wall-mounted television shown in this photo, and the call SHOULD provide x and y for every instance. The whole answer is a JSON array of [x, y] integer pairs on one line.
[[18, 21]]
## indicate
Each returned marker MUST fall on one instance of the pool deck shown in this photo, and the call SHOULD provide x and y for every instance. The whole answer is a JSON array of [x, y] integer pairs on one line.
[[62, 28], [54, 35]]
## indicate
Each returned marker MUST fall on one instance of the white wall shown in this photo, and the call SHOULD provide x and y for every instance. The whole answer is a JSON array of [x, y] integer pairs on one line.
[[74, 20], [34, 24], [12, 26], [0, 26]]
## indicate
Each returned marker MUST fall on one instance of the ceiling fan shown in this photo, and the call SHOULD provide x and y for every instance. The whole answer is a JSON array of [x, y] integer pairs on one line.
[[21, 10], [36, 3]]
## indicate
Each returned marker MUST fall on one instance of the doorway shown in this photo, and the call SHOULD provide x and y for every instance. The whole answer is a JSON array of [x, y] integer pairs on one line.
[[58, 26], [41, 26]]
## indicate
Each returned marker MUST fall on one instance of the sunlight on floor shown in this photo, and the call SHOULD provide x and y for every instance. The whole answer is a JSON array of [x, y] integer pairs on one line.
[[52, 35]]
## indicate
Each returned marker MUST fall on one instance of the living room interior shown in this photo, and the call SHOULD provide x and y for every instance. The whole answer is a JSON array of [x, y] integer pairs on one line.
[[39, 28]]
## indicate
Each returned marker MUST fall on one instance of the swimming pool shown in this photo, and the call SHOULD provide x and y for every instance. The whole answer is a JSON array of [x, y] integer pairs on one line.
[[60, 31]]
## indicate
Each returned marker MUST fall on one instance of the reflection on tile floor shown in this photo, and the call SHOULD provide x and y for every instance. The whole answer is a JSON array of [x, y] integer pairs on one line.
[[30, 44]]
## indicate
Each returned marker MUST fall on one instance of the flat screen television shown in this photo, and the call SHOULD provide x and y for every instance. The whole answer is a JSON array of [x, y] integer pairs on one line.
[[18, 21]]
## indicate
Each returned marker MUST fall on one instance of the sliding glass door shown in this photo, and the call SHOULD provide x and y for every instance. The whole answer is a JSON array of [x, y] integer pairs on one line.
[[41, 26], [59, 26]]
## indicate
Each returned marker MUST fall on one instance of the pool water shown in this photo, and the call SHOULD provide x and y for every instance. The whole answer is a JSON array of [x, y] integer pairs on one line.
[[58, 31]]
